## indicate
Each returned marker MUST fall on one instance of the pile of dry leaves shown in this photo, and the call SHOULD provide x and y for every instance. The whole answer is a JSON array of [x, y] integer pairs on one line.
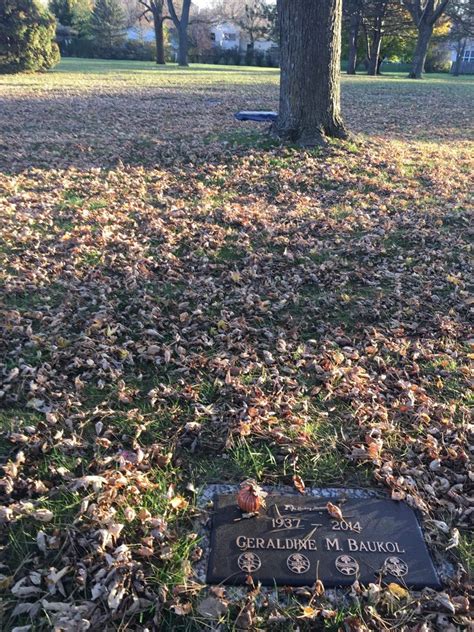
[[176, 313]]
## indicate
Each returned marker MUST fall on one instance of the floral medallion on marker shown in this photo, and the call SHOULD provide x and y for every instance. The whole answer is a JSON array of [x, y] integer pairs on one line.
[[347, 565], [395, 566], [249, 562], [298, 563]]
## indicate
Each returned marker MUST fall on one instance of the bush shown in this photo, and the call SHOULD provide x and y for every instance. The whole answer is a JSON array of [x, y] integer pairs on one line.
[[234, 57], [26, 37], [438, 59], [129, 49]]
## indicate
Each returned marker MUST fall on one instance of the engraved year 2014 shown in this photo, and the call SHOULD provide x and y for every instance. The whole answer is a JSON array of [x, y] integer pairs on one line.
[[344, 525]]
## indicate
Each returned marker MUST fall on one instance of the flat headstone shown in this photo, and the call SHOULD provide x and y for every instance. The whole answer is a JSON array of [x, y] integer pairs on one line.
[[259, 116], [294, 541]]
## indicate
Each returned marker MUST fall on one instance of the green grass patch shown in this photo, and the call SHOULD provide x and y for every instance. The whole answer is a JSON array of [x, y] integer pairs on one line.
[[21, 540]]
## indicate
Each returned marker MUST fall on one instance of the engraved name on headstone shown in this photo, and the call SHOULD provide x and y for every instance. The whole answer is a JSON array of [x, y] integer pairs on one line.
[[294, 541]]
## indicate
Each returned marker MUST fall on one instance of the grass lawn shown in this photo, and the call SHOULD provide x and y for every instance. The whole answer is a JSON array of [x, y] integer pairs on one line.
[[186, 301]]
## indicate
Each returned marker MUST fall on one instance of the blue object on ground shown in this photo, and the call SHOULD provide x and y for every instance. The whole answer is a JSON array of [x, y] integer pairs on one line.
[[248, 115]]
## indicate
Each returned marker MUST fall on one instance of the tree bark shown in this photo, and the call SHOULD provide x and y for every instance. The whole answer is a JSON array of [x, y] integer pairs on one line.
[[181, 24], [183, 45], [425, 32], [353, 39], [374, 59], [250, 53], [425, 16], [310, 54], [460, 49], [159, 39]]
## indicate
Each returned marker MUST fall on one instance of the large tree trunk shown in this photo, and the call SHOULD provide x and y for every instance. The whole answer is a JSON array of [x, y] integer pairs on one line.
[[425, 32], [183, 44], [159, 39], [181, 24], [353, 39], [310, 52], [424, 15]]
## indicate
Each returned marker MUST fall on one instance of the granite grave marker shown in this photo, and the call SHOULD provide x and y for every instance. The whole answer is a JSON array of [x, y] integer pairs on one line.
[[294, 541]]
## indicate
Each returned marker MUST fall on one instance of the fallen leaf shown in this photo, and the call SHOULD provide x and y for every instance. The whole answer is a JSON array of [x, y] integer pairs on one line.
[[397, 591], [334, 511], [299, 483]]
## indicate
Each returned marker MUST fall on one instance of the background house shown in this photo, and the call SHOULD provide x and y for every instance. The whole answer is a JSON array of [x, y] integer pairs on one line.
[[226, 36], [229, 36], [234, 44], [467, 62]]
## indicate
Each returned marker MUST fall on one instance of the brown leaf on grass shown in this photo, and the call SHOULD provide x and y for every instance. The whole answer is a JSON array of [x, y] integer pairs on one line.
[[246, 617], [212, 608], [308, 612], [178, 502], [145, 551], [181, 609], [397, 591], [43, 515]]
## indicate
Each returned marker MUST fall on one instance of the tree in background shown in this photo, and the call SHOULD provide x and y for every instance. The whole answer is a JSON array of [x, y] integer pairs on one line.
[[256, 18], [383, 21], [310, 53], [425, 14], [375, 18], [63, 11], [27, 33], [200, 42], [107, 23], [72, 15], [181, 24], [256, 22], [81, 16], [156, 9], [374, 30], [461, 17], [352, 13]]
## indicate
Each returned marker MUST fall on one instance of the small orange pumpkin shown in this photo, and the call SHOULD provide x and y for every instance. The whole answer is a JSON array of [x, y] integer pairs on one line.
[[250, 496]]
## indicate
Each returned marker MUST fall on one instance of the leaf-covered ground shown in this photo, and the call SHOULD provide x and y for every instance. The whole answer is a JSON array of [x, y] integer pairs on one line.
[[185, 301]]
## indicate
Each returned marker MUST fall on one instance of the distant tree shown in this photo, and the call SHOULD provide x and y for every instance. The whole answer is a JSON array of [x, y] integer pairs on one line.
[[133, 12], [107, 23], [374, 30], [425, 14], [257, 22], [82, 13], [374, 23], [383, 21], [181, 24], [461, 17], [74, 14], [257, 19], [156, 9], [352, 12], [310, 57], [63, 11], [27, 32], [200, 42]]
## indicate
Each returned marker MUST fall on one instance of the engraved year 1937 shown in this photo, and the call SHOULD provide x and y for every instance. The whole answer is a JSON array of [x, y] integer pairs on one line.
[[286, 523]]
